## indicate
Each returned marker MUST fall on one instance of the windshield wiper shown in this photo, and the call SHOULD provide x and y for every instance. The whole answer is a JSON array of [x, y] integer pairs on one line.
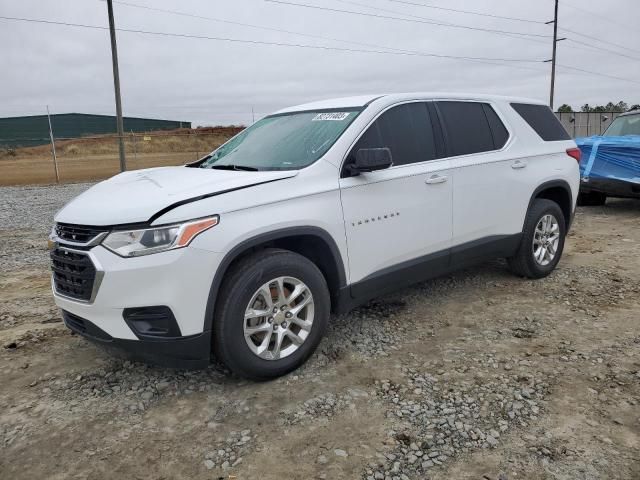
[[241, 168]]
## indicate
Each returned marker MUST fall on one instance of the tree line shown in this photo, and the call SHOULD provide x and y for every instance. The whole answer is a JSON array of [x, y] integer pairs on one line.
[[609, 107]]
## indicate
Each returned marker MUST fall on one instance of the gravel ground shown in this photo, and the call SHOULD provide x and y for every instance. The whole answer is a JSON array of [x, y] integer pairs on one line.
[[476, 375], [26, 216]]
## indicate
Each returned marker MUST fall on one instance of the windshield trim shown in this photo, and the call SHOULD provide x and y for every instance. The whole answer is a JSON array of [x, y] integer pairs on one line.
[[356, 110]]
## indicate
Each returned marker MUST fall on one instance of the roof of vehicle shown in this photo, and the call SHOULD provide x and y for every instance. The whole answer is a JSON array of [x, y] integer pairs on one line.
[[630, 112], [364, 100]]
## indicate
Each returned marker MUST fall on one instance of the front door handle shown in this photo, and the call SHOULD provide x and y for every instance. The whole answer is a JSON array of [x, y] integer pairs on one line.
[[433, 179], [518, 164]]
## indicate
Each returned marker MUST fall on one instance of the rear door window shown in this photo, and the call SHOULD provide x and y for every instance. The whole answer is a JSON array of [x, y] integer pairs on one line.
[[406, 130], [542, 120], [467, 127]]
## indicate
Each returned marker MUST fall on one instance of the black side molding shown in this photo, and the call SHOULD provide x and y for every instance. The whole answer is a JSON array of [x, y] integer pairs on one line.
[[427, 267], [495, 246]]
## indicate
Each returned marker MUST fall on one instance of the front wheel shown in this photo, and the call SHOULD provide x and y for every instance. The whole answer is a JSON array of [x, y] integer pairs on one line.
[[542, 240], [273, 311]]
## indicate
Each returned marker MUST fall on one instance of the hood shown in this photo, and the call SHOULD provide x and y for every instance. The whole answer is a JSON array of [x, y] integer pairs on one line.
[[137, 196]]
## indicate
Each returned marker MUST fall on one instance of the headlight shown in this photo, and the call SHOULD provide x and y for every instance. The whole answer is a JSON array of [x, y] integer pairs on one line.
[[134, 243]]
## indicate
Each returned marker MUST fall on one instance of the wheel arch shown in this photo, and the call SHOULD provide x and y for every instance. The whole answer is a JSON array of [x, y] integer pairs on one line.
[[559, 192], [314, 243]]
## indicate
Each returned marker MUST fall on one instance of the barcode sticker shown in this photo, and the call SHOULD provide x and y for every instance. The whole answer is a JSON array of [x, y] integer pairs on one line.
[[334, 116]]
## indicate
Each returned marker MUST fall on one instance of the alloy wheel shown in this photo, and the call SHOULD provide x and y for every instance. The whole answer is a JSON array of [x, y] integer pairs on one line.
[[278, 318], [546, 238]]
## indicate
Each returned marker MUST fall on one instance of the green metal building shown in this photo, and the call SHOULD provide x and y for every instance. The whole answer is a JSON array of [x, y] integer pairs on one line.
[[34, 130]]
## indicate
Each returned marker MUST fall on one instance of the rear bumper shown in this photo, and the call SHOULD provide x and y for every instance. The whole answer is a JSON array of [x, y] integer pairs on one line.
[[191, 352], [610, 186]]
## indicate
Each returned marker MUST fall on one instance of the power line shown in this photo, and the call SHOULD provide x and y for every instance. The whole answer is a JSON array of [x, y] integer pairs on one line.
[[599, 40], [263, 42], [373, 45], [613, 52], [426, 20], [260, 27], [600, 16], [607, 50], [244, 41], [250, 25], [335, 39], [598, 74], [435, 7], [414, 19], [518, 35]]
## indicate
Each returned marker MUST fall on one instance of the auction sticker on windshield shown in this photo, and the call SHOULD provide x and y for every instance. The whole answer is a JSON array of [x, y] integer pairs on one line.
[[335, 116]]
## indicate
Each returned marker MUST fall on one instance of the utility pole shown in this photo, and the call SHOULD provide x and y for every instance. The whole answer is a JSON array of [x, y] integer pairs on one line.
[[116, 84], [553, 58]]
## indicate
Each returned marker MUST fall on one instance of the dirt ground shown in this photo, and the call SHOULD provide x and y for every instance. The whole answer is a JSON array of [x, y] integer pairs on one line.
[[96, 158], [40, 169], [478, 375]]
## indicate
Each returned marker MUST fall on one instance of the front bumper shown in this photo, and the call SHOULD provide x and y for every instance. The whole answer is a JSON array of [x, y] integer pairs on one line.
[[191, 352], [178, 279]]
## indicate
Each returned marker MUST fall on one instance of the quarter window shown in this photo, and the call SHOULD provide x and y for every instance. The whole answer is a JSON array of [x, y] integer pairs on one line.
[[468, 127], [405, 130], [542, 120]]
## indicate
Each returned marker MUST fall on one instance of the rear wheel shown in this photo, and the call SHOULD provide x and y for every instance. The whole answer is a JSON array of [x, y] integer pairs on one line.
[[273, 311], [591, 199], [542, 240]]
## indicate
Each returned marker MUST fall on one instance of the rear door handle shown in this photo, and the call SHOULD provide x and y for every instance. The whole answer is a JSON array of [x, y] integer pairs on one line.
[[433, 179], [518, 164]]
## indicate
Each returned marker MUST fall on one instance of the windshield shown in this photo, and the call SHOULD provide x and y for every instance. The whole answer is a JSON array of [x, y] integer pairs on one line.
[[282, 142], [627, 125]]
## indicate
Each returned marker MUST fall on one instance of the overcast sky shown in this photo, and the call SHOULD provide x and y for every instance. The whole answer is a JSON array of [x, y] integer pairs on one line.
[[213, 82]]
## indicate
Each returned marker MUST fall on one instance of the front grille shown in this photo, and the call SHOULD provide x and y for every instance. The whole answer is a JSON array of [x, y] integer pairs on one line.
[[77, 233], [73, 274]]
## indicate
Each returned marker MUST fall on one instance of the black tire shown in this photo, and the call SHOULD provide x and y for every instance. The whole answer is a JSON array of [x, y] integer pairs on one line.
[[592, 199], [523, 263], [244, 279]]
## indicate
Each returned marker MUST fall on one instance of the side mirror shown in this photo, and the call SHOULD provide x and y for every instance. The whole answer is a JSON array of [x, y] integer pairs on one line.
[[370, 160]]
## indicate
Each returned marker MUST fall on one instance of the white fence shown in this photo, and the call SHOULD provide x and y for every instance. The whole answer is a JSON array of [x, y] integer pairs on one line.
[[584, 124]]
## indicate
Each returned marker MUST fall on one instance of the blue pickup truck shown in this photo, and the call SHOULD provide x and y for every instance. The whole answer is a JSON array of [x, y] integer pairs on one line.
[[610, 165]]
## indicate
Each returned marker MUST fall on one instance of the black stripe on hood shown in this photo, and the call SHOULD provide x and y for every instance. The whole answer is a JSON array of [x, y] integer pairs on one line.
[[160, 213]]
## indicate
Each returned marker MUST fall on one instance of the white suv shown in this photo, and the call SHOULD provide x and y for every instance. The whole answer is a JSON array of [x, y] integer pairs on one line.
[[313, 209]]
